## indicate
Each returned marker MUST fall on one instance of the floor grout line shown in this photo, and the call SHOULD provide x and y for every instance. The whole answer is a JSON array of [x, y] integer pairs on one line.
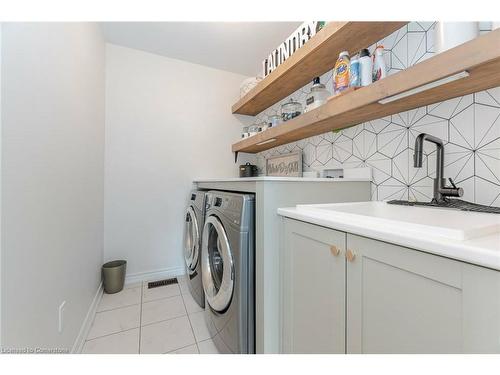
[[202, 341], [111, 334], [165, 320], [159, 299], [118, 308], [191, 312], [156, 299], [184, 347], [191, 325]]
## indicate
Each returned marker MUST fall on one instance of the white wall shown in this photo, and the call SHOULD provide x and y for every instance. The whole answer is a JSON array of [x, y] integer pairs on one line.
[[52, 179], [167, 122]]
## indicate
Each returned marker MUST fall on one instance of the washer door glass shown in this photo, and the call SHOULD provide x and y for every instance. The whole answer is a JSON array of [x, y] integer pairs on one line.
[[191, 240], [216, 265]]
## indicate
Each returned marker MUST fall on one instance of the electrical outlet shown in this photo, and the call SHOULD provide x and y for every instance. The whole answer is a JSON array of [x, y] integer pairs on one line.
[[61, 316]]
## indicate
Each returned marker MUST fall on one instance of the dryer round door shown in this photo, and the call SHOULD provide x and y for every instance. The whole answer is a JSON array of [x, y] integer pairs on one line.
[[191, 240], [217, 267]]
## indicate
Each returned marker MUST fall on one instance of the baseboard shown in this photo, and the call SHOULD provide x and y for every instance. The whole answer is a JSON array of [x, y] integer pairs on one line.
[[87, 322], [164, 273]]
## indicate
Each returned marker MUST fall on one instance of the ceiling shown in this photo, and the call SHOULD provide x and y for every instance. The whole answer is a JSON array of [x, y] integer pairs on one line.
[[238, 47]]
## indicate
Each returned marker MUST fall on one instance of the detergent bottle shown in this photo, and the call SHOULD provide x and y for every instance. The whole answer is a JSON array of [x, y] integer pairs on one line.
[[341, 72], [379, 68]]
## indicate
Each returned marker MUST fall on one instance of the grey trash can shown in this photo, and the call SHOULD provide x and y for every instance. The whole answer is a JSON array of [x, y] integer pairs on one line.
[[114, 275]]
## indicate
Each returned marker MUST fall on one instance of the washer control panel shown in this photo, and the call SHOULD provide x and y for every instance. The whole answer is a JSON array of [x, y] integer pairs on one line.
[[230, 204]]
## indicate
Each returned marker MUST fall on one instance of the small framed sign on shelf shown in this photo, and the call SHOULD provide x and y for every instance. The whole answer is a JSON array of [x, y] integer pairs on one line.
[[287, 165]]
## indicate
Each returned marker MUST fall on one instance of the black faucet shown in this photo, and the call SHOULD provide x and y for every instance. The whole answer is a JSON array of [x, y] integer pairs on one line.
[[440, 190]]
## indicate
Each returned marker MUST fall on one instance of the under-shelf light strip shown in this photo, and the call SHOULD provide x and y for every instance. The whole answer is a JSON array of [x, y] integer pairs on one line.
[[425, 87], [264, 142]]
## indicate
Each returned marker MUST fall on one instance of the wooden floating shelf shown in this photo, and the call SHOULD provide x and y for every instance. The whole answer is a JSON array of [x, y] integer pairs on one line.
[[313, 59], [480, 58]]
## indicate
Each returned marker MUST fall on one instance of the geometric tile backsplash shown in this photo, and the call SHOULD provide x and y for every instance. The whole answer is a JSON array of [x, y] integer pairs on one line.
[[468, 125]]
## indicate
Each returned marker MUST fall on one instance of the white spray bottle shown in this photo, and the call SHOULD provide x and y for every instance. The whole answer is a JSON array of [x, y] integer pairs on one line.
[[379, 68]]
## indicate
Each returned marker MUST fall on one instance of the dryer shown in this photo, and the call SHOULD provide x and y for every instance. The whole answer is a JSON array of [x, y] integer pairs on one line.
[[193, 226], [228, 270]]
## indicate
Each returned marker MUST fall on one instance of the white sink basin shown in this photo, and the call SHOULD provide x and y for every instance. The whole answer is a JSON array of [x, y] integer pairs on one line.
[[451, 224]]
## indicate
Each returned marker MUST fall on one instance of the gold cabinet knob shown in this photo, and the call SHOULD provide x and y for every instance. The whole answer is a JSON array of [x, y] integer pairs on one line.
[[335, 250], [350, 255]]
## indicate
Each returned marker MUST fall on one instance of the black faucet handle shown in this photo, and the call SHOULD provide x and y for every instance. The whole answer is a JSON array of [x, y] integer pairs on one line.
[[453, 191]]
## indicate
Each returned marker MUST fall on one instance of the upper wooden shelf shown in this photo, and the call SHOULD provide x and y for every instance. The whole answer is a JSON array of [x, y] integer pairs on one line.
[[479, 58], [313, 59]]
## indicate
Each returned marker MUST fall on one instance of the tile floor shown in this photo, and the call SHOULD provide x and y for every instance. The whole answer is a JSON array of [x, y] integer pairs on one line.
[[141, 320]]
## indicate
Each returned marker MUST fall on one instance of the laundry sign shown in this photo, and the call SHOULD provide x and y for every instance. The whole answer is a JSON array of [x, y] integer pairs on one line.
[[288, 165], [286, 49]]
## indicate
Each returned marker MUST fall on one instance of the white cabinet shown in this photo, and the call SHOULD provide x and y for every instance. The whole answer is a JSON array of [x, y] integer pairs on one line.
[[401, 300], [314, 293], [395, 299]]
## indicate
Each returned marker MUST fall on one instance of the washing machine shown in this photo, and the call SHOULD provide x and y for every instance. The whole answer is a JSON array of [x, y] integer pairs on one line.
[[193, 227], [228, 270]]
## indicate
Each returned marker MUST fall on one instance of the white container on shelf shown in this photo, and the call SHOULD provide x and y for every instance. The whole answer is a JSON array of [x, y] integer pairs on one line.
[[253, 129], [451, 34], [248, 84], [365, 67], [379, 67], [310, 174], [317, 97], [274, 121]]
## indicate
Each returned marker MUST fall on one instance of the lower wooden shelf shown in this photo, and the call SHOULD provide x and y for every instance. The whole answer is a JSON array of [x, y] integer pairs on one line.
[[475, 66]]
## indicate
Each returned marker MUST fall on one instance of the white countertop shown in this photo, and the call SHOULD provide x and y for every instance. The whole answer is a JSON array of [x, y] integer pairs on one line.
[[380, 221], [286, 179]]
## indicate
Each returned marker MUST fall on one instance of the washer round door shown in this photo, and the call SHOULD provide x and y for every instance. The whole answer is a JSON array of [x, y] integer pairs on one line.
[[191, 240], [217, 267]]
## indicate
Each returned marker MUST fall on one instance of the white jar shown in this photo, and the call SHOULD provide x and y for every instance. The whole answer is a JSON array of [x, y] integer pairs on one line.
[[252, 130], [264, 126], [248, 84], [274, 121], [451, 34], [244, 132], [317, 96]]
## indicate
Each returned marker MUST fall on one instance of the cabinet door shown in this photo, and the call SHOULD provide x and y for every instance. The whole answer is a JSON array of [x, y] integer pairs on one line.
[[313, 285], [401, 300]]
